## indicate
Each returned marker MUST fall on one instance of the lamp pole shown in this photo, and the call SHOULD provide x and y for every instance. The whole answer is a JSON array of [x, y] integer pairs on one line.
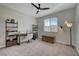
[[69, 25], [70, 36]]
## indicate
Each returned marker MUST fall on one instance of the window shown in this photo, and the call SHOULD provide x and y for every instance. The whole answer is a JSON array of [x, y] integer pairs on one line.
[[50, 25]]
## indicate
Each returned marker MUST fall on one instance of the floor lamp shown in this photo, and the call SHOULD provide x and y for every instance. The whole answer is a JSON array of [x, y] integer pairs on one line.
[[69, 25]]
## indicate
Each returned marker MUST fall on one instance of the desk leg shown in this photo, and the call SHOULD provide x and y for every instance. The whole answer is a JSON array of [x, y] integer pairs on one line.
[[18, 40]]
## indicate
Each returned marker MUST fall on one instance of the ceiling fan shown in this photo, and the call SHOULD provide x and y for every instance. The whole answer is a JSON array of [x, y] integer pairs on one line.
[[39, 8]]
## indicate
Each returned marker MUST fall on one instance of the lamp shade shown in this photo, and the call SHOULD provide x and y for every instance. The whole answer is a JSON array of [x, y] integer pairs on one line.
[[68, 24]]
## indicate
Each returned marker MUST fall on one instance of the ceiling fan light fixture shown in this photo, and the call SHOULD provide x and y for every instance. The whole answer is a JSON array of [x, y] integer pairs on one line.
[[38, 7]]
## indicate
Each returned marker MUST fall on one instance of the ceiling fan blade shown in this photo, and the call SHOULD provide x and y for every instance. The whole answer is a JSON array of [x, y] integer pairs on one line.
[[37, 12], [34, 5], [39, 6], [44, 8]]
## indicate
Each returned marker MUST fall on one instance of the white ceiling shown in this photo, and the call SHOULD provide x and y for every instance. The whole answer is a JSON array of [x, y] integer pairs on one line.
[[30, 10]]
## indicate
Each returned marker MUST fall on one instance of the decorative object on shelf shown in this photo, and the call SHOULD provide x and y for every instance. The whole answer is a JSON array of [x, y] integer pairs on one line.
[[69, 24], [7, 20], [12, 20]]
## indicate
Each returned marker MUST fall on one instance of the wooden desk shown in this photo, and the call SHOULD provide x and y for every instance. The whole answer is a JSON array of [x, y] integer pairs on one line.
[[19, 35]]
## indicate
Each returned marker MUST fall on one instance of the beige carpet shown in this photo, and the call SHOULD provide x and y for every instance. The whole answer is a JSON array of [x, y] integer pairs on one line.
[[38, 48]]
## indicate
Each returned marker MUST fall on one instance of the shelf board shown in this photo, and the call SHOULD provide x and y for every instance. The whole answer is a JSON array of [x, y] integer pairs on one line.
[[35, 25], [12, 35], [11, 23], [12, 27], [13, 31], [34, 30]]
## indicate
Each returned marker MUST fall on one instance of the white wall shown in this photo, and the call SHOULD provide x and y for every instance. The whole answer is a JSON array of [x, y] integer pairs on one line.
[[77, 27], [25, 21], [2, 33], [62, 35]]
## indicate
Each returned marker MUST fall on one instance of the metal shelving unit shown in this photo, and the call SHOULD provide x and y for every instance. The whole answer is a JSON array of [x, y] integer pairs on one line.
[[35, 31], [11, 37]]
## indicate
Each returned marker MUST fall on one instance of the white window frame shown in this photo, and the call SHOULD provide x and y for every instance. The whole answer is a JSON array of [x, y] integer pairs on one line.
[[50, 26]]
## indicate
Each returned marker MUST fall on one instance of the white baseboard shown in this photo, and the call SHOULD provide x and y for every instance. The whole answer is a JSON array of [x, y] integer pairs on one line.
[[77, 50], [62, 42]]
